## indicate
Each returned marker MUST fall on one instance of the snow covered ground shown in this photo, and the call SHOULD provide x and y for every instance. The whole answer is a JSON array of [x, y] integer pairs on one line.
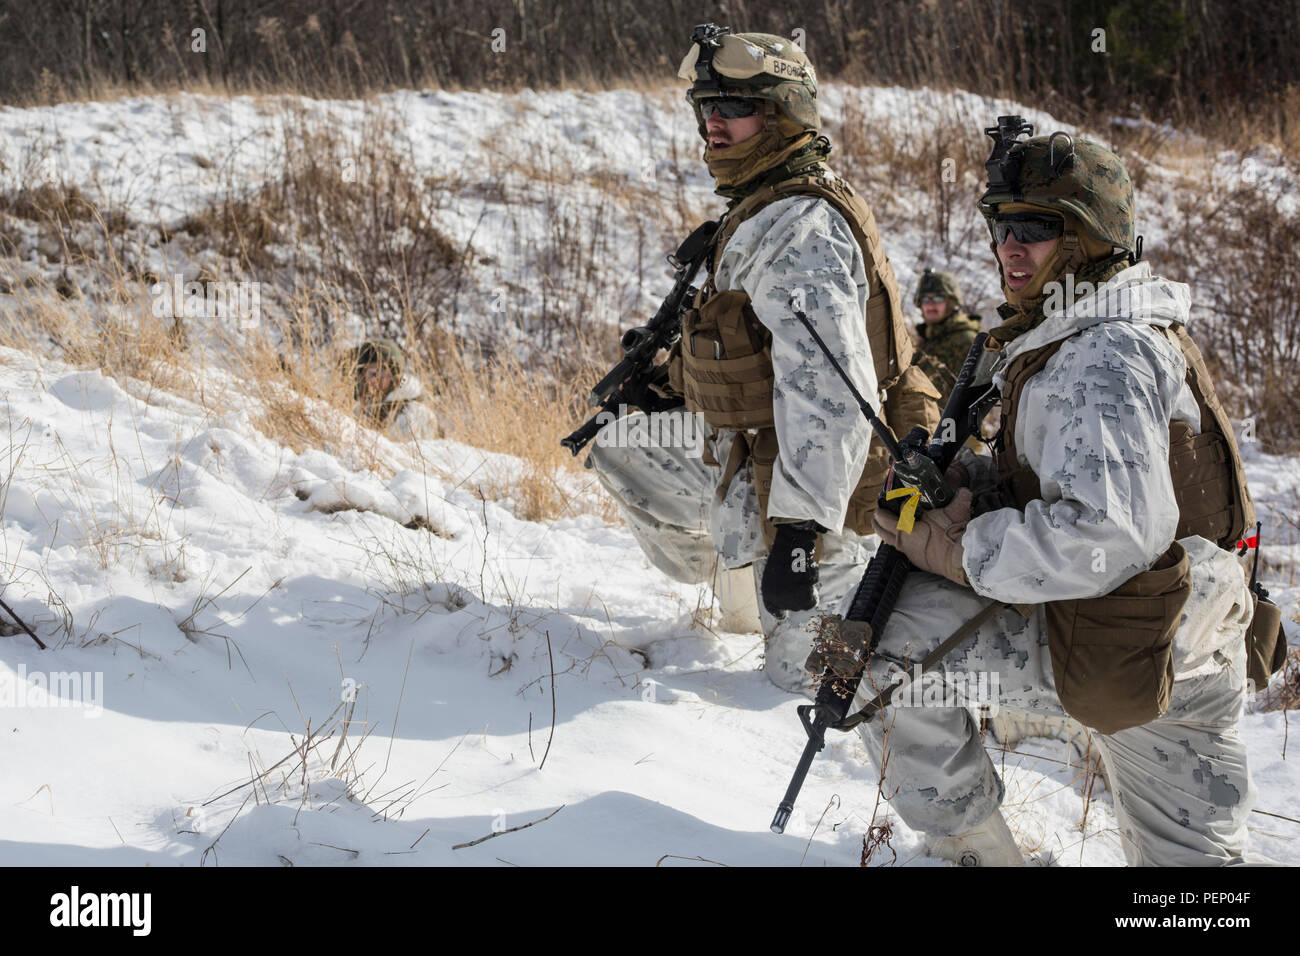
[[279, 671]]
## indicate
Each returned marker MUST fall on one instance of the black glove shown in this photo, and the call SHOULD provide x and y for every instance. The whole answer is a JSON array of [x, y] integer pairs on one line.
[[790, 577]]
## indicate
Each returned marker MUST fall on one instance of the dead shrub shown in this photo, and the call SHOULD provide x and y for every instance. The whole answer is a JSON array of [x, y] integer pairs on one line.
[[1240, 249], [47, 202], [925, 177], [350, 214]]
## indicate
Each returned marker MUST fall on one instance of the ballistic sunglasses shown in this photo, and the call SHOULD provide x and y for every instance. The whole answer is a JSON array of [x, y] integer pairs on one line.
[[728, 107], [1027, 227], [933, 299]]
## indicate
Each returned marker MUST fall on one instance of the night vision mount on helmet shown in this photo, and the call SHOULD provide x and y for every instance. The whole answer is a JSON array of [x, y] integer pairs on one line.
[[1079, 178]]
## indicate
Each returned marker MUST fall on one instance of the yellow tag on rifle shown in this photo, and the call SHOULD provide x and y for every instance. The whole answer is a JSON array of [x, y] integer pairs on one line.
[[906, 517]]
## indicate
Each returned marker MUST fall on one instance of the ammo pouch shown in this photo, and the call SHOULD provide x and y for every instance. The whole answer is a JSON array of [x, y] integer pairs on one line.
[[1202, 466], [764, 450], [726, 356], [1265, 645], [1112, 656]]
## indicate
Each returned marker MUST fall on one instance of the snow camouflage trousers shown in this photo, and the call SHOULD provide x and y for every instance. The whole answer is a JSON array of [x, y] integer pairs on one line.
[[667, 497], [1180, 783]]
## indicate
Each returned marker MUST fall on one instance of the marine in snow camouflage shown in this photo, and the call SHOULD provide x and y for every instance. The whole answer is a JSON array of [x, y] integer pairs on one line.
[[797, 245], [799, 250], [1094, 426]]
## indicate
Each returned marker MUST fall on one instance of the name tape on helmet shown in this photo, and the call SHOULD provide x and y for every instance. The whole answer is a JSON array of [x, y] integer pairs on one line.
[[785, 68]]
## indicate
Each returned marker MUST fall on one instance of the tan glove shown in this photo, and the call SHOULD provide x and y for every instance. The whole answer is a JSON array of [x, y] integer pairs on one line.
[[934, 543]]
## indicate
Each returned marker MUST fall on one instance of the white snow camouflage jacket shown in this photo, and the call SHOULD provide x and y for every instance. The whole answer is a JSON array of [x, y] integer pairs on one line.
[[802, 245], [1094, 426]]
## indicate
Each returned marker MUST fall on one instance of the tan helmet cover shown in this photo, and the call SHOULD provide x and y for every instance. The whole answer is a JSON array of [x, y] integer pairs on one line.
[[740, 59], [758, 66]]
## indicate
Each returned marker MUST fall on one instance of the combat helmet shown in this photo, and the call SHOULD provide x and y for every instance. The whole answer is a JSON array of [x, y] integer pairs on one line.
[[751, 65], [377, 351], [938, 283], [1081, 180], [1078, 177]]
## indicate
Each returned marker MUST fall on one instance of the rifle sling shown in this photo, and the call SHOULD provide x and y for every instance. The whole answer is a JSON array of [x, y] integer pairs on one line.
[[943, 650]]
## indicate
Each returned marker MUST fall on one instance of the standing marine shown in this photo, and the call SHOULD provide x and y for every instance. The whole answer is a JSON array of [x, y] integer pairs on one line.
[[787, 483]]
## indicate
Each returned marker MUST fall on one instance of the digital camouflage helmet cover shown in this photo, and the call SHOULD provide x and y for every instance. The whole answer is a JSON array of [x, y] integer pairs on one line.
[[1080, 180]]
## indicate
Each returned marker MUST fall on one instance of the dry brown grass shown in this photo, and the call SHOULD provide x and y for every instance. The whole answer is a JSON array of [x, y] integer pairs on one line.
[[496, 402], [338, 210], [301, 394], [349, 214], [320, 236], [124, 341]]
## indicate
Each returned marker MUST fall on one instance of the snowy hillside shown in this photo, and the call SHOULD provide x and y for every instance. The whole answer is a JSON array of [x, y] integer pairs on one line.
[[363, 655]]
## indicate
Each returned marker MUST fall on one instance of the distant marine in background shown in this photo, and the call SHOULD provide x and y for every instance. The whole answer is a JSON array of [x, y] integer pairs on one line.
[[387, 395], [946, 334]]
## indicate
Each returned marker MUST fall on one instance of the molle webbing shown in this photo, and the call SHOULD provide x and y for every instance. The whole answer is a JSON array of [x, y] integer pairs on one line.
[[891, 348]]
